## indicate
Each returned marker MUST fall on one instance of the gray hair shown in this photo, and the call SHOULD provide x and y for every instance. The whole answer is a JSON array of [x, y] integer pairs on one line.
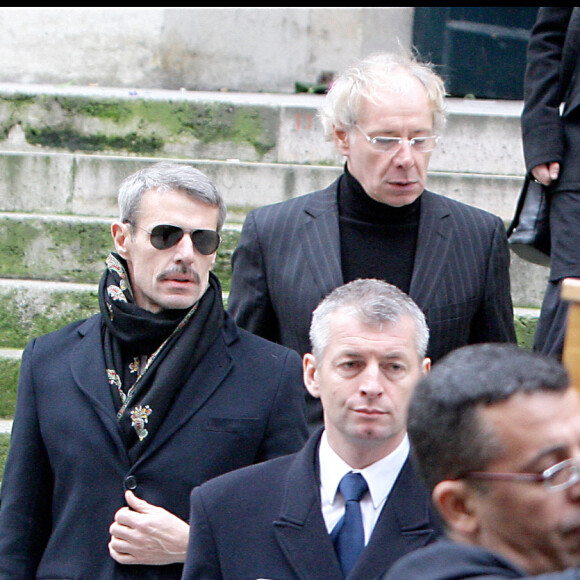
[[447, 431], [164, 177], [364, 79], [372, 302]]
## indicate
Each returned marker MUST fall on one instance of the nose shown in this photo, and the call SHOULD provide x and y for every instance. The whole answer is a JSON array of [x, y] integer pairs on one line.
[[372, 382], [404, 156], [184, 250]]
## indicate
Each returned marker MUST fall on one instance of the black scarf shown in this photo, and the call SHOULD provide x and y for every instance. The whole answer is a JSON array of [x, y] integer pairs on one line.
[[150, 356]]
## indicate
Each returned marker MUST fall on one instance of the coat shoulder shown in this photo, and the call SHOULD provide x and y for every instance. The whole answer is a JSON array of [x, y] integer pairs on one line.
[[240, 339], [316, 200], [64, 337], [463, 214]]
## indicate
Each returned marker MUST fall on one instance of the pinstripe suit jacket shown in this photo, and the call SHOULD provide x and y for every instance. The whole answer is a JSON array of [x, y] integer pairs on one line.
[[288, 259]]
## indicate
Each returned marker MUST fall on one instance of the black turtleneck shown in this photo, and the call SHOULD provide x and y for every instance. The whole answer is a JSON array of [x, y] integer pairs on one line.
[[376, 240]]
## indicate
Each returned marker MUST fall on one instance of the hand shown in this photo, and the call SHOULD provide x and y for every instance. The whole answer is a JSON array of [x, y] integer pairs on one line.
[[546, 173], [146, 534]]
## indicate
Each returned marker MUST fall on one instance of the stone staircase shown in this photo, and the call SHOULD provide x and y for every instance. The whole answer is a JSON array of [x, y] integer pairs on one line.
[[64, 151]]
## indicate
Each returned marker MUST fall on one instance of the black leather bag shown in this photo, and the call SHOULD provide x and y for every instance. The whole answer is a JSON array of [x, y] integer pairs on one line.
[[529, 232]]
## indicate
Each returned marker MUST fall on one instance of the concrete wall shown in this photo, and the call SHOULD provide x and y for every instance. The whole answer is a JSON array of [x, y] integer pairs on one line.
[[238, 49]]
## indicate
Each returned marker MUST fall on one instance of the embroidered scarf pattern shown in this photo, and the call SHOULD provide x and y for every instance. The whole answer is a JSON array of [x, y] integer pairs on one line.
[[150, 356]]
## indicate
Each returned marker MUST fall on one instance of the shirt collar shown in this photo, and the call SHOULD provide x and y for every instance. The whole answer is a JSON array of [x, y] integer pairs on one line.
[[380, 476]]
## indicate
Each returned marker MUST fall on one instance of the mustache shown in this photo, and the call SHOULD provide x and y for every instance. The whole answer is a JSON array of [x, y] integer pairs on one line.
[[180, 270]]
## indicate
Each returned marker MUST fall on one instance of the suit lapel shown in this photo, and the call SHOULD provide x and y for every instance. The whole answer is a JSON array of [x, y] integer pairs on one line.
[[321, 235], [300, 529], [404, 525], [433, 242]]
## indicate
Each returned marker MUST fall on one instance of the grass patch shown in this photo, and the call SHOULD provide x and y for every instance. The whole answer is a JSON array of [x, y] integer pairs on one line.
[[4, 445], [8, 386]]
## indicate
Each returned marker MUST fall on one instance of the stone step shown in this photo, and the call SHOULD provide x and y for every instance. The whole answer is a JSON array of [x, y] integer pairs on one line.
[[259, 148], [69, 248], [73, 249], [9, 368], [29, 308], [87, 184], [482, 136]]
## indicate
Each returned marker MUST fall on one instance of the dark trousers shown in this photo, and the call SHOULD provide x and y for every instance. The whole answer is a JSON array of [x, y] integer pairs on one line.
[[565, 263]]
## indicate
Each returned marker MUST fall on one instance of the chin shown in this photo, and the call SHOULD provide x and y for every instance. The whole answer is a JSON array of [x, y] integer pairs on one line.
[[181, 303]]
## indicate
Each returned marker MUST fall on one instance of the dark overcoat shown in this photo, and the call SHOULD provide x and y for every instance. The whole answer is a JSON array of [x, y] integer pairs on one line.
[[68, 466], [266, 522]]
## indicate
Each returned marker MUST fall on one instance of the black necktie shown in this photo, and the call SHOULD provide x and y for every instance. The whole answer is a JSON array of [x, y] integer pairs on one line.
[[348, 534]]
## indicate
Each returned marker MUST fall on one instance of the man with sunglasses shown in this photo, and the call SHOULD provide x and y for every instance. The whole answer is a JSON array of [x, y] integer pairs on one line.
[[496, 434], [121, 415], [385, 115]]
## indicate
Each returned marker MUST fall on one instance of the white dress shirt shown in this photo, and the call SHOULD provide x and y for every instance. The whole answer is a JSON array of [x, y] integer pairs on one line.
[[380, 477]]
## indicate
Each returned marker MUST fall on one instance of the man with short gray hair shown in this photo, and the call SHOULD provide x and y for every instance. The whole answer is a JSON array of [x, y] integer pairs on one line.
[[119, 416], [294, 517]]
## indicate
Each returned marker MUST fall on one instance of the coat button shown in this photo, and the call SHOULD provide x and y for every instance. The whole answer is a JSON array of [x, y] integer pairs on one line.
[[130, 482]]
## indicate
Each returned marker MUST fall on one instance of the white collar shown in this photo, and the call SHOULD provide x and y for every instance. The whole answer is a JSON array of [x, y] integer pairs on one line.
[[380, 476]]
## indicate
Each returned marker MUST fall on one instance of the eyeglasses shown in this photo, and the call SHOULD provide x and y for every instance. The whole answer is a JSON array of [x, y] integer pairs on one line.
[[558, 477], [393, 144], [166, 236]]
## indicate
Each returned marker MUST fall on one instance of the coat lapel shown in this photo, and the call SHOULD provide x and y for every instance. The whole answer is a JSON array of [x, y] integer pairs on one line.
[[321, 235], [89, 373], [300, 529], [405, 524], [433, 242]]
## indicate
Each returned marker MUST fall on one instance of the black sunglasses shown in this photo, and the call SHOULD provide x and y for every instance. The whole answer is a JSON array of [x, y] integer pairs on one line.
[[165, 236]]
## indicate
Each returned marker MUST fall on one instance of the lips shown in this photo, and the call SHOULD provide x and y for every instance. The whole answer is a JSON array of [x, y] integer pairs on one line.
[[370, 412], [403, 184]]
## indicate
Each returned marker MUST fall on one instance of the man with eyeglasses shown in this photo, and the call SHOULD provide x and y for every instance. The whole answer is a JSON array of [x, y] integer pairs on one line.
[[495, 431], [119, 416], [377, 220]]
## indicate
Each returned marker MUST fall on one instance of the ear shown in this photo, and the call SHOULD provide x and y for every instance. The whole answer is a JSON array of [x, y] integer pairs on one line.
[[425, 366], [309, 375], [454, 501], [341, 139], [121, 234]]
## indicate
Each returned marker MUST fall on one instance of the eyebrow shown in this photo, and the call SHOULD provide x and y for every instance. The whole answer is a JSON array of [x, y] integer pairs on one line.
[[562, 449]]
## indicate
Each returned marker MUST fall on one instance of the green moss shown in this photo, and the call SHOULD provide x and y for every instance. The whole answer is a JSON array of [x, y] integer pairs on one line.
[[223, 267], [212, 122], [68, 251], [107, 109], [74, 141], [4, 445], [24, 316], [137, 126], [525, 327], [8, 385]]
